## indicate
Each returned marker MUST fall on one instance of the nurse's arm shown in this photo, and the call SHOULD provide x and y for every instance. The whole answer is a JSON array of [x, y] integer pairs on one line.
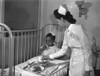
[[59, 53], [63, 50]]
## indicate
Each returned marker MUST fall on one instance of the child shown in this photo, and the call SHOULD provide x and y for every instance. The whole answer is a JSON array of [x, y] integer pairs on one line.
[[50, 46]]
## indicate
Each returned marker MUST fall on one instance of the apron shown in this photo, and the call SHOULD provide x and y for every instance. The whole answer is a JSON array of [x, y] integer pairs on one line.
[[77, 63]]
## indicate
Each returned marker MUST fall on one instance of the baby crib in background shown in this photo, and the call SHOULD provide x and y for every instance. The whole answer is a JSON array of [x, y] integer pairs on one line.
[[18, 46]]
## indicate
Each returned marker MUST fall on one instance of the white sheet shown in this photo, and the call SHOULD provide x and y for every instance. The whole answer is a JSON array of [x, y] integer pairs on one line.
[[19, 68]]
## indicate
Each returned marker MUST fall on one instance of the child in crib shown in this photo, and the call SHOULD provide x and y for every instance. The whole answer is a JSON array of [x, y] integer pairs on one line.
[[50, 46]]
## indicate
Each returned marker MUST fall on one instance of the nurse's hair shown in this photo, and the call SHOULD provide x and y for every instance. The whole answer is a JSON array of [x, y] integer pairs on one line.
[[51, 36], [62, 12]]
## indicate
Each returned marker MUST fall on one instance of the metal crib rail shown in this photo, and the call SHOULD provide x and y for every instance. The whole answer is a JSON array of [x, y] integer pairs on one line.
[[11, 50], [27, 43], [23, 44]]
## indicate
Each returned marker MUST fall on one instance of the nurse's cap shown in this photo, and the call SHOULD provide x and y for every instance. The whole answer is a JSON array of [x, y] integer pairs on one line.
[[62, 9], [53, 33]]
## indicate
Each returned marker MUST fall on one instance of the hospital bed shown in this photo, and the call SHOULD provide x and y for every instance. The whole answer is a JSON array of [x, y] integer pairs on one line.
[[20, 46], [59, 69]]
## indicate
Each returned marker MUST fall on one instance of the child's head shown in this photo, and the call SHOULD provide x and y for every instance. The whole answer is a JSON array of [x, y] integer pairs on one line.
[[50, 39]]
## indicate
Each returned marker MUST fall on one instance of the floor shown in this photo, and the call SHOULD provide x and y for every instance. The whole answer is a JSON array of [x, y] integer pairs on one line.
[[97, 72]]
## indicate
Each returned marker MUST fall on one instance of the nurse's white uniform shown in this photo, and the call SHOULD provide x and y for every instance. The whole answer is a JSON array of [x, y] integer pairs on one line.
[[78, 40]]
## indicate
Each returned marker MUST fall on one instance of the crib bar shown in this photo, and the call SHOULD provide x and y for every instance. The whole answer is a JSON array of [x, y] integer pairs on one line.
[[14, 51], [21, 43], [39, 42], [17, 49], [28, 44], [4, 50], [34, 44], [40, 37], [31, 44], [26, 51], [34, 41], [10, 69], [13, 56], [25, 47], [3, 54]]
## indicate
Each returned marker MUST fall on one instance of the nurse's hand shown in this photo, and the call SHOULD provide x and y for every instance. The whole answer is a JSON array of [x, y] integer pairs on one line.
[[45, 57]]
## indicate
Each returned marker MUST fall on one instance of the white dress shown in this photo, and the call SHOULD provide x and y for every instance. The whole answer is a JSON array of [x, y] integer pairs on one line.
[[80, 60], [50, 50]]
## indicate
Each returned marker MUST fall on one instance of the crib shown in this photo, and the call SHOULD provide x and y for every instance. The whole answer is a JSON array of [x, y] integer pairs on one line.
[[18, 46]]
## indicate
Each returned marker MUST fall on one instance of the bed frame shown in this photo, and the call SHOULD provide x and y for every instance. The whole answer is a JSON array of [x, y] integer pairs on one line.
[[18, 46]]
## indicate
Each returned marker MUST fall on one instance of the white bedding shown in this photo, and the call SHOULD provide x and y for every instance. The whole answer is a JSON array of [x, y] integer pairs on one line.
[[19, 71]]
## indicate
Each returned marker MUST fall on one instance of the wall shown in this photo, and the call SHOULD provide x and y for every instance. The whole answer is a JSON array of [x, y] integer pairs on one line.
[[21, 14], [1, 10], [92, 23]]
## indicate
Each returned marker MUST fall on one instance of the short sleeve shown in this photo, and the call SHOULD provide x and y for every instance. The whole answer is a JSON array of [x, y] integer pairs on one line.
[[63, 49], [74, 40], [76, 36]]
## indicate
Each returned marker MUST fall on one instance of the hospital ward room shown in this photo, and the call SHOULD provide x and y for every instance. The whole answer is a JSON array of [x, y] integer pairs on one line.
[[49, 38]]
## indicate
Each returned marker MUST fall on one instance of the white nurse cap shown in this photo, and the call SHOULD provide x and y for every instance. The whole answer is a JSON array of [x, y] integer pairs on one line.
[[62, 9]]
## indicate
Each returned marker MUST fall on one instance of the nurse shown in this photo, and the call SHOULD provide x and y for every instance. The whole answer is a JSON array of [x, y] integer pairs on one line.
[[77, 38]]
